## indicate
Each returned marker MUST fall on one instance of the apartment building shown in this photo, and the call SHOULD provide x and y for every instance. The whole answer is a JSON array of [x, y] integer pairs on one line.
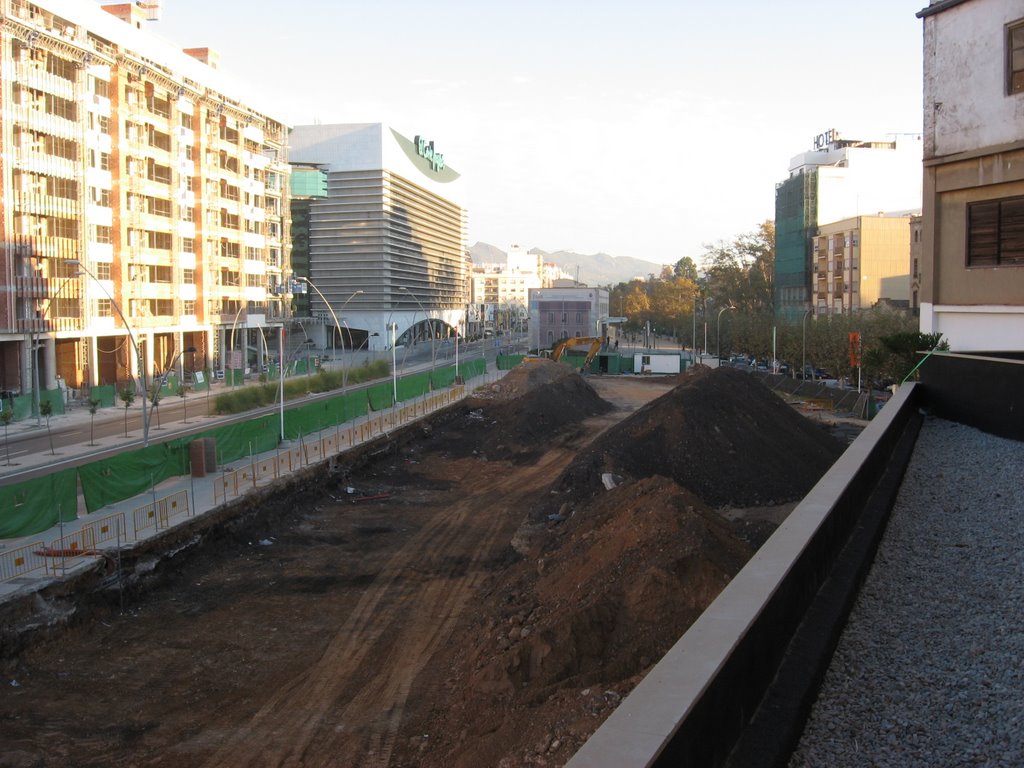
[[972, 262], [840, 178], [860, 262], [500, 292], [144, 202]]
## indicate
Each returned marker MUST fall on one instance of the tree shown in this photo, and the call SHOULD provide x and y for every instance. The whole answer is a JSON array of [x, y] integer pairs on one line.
[[686, 267], [182, 393], [94, 405], [127, 396], [6, 416], [46, 409], [154, 399], [895, 356]]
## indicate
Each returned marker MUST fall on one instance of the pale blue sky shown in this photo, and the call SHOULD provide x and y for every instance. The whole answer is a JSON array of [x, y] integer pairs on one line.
[[645, 128]]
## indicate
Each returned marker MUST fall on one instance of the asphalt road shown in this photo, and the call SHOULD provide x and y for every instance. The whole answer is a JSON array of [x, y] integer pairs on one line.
[[35, 451]]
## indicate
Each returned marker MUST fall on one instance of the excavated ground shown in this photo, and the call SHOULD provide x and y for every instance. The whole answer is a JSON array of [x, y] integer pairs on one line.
[[492, 611]]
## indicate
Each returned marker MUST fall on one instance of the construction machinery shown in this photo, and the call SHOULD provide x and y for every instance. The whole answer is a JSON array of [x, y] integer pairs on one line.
[[578, 341]]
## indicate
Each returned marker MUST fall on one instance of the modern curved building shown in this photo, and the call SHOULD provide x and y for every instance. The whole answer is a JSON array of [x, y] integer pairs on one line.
[[387, 240]]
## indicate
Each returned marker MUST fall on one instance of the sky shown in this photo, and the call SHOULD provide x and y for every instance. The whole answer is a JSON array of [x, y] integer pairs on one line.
[[649, 128]]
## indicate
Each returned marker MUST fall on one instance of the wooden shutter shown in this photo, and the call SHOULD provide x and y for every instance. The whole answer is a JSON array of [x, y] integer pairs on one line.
[[983, 234]]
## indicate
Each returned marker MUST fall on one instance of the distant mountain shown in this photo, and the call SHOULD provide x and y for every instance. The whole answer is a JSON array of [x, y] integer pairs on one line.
[[593, 269]]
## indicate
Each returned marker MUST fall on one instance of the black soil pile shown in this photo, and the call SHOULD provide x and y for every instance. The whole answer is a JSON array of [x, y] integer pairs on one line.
[[558, 640], [512, 418], [720, 434]]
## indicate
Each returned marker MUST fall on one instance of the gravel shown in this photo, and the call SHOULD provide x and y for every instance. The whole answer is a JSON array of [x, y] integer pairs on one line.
[[930, 669]]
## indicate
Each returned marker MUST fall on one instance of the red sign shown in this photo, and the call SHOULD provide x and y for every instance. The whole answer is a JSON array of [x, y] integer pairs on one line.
[[854, 349]]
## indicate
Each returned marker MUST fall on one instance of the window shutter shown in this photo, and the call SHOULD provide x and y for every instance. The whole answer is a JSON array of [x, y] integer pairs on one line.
[[983, 234], [1011, 231]]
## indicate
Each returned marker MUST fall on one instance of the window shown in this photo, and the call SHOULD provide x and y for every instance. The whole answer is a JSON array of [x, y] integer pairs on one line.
[[188, 245], [158, 206], [1015, 58], [102, 270], [995, 233], [103, 308], [188, 307], [102, 234], [158, 240], [188, 276]]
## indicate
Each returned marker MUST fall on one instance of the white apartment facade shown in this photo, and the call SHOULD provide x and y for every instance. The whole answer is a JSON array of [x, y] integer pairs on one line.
[[144, 202]]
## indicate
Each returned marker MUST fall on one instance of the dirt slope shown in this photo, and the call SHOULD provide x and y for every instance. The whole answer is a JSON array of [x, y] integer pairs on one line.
[[720, 433], [611, 579]]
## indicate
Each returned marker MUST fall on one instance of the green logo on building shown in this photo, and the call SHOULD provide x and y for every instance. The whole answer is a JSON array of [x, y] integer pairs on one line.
[[426, 158], [426, 150]]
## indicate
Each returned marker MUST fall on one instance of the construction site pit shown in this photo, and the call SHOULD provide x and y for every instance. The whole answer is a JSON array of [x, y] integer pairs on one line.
[[480, 588]]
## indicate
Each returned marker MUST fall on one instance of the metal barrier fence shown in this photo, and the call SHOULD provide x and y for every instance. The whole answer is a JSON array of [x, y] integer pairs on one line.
[[231, 483], [20, 561], [310, 450], [158, 513], [38, 555]]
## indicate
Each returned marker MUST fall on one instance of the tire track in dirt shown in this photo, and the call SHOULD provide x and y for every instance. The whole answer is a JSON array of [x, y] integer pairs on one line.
[[318, 718]]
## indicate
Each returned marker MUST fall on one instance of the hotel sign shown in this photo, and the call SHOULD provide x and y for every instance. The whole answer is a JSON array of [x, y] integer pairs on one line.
[[822, 140]]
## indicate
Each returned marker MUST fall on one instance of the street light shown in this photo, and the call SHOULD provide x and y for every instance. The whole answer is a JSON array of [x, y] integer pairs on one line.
[[718, 341], [430, 324], [131, 337], [337, 325], [393, 327]]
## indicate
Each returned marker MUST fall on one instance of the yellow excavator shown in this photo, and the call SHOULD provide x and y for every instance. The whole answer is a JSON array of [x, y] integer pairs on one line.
[[579, 341]]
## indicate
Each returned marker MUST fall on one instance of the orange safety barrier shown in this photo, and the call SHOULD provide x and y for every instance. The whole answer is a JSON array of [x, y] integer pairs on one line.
[[19, 561], [267, 468], [225, 487], [108, 528], [72, 545]]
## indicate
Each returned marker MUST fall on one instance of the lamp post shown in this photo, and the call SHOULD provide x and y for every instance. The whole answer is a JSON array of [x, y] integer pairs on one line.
[[131, 337], [162, 381], [234, 322], [803, 359], [393, 327], [433, 353], [337, 325], [718, 341]]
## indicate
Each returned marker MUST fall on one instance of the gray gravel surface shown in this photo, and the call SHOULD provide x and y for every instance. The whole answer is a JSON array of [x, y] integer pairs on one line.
[[930, 670]]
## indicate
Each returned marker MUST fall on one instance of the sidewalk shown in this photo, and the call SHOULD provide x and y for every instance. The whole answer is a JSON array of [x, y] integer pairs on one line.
[[30, 563]]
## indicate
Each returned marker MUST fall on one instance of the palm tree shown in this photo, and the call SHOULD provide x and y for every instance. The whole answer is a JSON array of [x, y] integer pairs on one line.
[[94, 405], [127, 396], [46, 409], [6, 416], [182, 392]]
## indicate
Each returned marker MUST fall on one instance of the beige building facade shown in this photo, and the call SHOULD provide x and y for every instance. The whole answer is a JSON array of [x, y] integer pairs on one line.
[[860, 262], [972, 271]]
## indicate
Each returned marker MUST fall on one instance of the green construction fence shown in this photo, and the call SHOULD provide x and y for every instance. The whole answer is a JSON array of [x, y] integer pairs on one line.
[[32, 506]]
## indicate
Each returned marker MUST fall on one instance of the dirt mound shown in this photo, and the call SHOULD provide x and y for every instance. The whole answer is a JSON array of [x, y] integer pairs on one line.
[[511, 418], [559, 640], [721, 434]]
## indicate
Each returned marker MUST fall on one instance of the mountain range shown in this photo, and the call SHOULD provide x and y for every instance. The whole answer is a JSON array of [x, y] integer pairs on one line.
[[595, 269]]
